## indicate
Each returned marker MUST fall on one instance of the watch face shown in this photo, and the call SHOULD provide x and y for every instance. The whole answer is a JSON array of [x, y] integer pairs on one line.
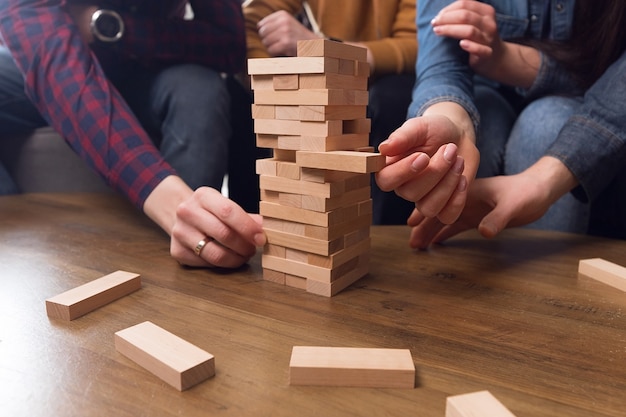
[[108, 25]]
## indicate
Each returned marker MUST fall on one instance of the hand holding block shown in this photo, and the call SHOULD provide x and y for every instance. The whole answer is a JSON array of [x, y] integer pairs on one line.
[[174, 360], [476, 404], [351, 367], [604, 271], [92, 295]]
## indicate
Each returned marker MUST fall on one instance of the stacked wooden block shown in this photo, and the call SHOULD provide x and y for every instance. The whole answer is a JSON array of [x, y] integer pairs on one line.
[[315, 190]]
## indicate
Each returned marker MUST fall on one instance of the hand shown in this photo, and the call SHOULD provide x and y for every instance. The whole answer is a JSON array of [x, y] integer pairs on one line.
[[423, 166], [474, 24], [81, 14], [232, 235], [496, 203], [280, 33]]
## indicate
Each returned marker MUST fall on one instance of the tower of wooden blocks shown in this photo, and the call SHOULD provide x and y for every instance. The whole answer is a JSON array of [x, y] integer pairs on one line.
[[315, 190]]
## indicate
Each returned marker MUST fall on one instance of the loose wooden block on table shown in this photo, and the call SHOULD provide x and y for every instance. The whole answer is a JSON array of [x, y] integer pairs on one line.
[[81, 300], [476, 404], [351, 161], [604, 271], [352, 367], [171, 358]]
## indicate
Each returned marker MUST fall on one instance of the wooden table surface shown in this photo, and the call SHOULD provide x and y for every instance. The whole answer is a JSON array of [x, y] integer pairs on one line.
[[508, 315]]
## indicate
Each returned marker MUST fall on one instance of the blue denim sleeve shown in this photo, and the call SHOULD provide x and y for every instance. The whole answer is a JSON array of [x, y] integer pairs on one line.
[[592, 144], [551, 79], [442, 68]]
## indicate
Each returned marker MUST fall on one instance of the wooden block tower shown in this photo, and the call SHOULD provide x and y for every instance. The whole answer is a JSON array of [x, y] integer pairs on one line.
[[315, 190]]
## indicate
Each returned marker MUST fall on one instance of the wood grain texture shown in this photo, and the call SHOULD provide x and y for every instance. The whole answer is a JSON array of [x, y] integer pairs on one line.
[[509, 315], [85, 298]]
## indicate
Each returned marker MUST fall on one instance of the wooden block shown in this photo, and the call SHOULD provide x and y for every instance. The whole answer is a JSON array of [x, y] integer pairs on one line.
[[286, 169], [323, 143], [328, 48], [266, 166], [305, 270], [333, 81], [362, 69], [286, 82], [303, 243], [262, 82], [297, 127], [263, 112], [319, 113], [347, 67], [337, 230], [312, 97], [81, 300], [274, 276], [267, 141], [351, 367], [328, 204], [286, 226], [292, 65], [287, 185], [341, 257], [476, 404], [174, 360], [295, 282], [604, 271], [351, 161], [274, 250], [330, 289], [290, 200], [325, 175], [286, 113]]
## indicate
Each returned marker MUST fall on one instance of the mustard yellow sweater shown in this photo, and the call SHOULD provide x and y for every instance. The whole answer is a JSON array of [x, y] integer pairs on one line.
[[386, 27]]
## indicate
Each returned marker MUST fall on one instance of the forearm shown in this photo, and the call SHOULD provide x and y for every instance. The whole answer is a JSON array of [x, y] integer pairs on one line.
[[518, 66], [552, 176]]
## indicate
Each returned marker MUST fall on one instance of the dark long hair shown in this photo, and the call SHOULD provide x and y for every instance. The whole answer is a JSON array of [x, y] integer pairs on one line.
[[598, 38]]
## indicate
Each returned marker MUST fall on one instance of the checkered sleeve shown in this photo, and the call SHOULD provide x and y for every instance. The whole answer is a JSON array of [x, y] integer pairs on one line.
[[67, 85]]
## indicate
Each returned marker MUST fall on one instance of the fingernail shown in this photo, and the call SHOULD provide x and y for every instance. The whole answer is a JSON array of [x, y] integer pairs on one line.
[[450, 152], [259, 239], [420, 162], [458, 165]]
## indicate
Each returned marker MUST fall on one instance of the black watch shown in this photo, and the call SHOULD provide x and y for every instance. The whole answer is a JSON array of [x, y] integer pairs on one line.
[[107, 26]]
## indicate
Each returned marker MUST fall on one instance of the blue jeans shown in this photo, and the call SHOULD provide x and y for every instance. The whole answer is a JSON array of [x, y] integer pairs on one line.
[[534, 131], [185, 109], [510, 143]]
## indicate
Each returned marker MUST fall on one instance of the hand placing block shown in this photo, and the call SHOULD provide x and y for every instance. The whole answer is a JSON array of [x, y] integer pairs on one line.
[[81, 300], [604, 271], [476, 404], [174, 360], [351, 367]]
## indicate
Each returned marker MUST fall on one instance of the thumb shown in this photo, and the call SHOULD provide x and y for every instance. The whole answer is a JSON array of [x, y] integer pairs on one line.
[[494, 222]]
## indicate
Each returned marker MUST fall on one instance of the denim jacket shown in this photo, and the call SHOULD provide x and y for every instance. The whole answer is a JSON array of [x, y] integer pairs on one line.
[[593, 142]]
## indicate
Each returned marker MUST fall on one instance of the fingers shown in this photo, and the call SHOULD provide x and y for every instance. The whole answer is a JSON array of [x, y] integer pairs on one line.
[[472, 22], [233, 234]]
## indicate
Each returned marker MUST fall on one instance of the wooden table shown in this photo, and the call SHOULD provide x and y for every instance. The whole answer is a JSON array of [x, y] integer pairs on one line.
[[508, 315]]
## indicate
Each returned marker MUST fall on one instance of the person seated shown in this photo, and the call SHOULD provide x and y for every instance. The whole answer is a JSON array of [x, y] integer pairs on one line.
[[537, 87], [138, 92]]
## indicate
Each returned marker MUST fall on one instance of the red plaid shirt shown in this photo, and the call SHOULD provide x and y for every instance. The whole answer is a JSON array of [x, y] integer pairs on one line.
[[66, 80]]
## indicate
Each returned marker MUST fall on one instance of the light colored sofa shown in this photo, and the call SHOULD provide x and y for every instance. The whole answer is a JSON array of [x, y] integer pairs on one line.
[[44, 162]]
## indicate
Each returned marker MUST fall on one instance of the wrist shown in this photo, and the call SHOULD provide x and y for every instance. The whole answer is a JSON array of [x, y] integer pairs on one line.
[[163, 201]]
